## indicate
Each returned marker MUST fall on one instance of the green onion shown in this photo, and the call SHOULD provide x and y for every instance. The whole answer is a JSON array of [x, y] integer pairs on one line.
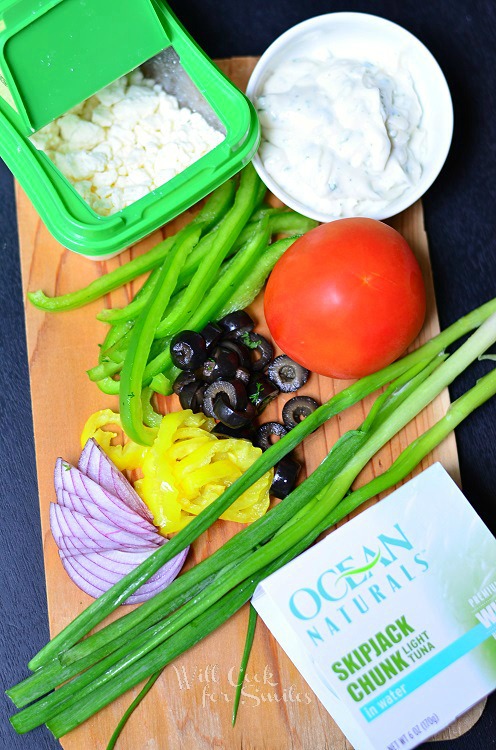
[[421, 447], [250, 635], [414, 453], [89, 651], [194, 632], [141, 695]]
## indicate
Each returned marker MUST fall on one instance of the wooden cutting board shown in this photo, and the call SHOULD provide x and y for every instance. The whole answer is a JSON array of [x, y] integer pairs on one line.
[[190, 706]]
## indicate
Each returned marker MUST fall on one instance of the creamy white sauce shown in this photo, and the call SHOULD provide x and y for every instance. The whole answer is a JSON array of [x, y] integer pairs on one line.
[[342, 137]]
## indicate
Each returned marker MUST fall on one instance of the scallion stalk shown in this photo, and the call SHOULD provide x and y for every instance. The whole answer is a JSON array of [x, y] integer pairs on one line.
[[141, 695], [459, 410], [250, 636]]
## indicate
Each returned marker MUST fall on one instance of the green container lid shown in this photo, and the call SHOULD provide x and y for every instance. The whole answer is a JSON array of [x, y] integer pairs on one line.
[[54, 55]]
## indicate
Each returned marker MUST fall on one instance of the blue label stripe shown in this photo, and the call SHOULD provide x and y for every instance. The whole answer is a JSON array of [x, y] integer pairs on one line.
[[427, 670]]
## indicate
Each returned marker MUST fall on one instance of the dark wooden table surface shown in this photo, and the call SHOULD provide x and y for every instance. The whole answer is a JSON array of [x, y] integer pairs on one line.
[[461, 224]]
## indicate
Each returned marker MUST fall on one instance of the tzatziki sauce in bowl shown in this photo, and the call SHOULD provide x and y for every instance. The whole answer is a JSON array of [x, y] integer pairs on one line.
[[356, 117]]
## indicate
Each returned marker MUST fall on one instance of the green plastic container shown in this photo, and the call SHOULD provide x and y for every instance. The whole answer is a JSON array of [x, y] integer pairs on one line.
[[54, 54]]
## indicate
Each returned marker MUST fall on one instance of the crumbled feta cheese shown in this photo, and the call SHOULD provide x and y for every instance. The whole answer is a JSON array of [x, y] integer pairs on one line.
[[49, 138], [113, 93], [122, 133], [104, 179], [77, 110], [136, 76], [81, 165], [125, 141], [133, 193], [84, 189], [89, 107], [80, 134], [103, 115]]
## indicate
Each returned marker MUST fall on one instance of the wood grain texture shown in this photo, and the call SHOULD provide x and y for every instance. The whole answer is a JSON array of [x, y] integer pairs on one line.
[[191, 704]]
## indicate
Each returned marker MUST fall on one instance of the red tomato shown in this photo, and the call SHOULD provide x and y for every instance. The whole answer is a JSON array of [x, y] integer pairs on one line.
[[346, 299]]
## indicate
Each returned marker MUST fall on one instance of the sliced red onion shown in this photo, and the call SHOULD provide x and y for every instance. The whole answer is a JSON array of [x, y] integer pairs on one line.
[[95, 463], [72, 480], [92, 510], [73, 524], [118, 560], [87, 584], [101, 529], [73, 547], [111, 567], [95, 576]]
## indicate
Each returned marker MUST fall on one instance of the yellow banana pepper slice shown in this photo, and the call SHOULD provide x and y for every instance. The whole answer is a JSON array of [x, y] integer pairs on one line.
[[128, 456], [185, 469]]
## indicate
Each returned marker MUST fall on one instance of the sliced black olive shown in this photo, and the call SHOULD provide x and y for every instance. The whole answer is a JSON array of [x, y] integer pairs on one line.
[[229, 416], [188, 350], [243, 352], [287, 374], [234, 392], [285, 476], [259, 344], [242, 374], [222, 364], [212, 333], [207, 372], [241, 394], [185, 378], [191, 396], [297, 409], [261, 391], [266, 431], [238, 320]]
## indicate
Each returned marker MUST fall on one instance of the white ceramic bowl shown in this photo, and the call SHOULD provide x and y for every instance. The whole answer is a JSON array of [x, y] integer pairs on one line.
[[365, 37]]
